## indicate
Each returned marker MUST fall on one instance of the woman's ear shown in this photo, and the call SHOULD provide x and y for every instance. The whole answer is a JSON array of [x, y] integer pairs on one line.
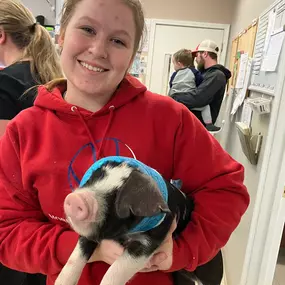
[[2, 36], [61, 40]]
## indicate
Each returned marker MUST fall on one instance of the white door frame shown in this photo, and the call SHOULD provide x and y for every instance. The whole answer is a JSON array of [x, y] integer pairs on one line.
[[155, 22], [261, 253]]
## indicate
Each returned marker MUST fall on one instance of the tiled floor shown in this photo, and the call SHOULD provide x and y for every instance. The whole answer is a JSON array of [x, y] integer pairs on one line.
[[279, 277]]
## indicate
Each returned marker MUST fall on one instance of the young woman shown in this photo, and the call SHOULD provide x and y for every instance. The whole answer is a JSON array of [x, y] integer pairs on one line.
[[29, 55], [96, 112]]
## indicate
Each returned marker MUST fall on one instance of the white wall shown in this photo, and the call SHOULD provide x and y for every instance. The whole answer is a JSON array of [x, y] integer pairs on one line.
[[41, 7], [218, 11], [245, 12]]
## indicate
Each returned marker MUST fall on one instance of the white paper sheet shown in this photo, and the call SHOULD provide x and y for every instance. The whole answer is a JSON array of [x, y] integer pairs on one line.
[[242, 70], [242, 92], [246, 115], [270, 29], [271, 58]]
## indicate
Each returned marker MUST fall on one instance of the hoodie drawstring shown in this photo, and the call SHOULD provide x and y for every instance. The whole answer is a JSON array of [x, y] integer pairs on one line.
[[98, 150], [111, 108]]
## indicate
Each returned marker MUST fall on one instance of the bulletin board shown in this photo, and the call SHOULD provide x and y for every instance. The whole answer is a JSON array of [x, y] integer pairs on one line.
[[234, 61], [265, 81], [244, 43]]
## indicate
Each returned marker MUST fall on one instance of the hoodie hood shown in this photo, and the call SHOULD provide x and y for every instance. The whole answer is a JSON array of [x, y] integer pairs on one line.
[[129, 89], [220, 67]]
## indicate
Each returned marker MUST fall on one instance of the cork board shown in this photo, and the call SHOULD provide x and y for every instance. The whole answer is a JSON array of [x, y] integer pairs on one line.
[[244, 43]]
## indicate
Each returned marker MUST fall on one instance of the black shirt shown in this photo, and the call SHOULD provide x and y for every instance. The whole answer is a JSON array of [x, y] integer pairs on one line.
[[14, 81]]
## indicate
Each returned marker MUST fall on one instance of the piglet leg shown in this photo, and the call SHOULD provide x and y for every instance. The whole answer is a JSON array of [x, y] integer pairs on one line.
[[123, 269], [71, 272]]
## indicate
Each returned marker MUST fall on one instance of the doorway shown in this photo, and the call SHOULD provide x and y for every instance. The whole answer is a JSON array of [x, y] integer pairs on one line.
[[167, 37]]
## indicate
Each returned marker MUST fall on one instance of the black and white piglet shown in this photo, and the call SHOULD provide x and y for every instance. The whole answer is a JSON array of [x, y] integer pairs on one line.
[[123, 200]]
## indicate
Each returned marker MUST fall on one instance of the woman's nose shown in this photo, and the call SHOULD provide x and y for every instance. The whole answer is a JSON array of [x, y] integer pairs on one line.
[[98, 48]]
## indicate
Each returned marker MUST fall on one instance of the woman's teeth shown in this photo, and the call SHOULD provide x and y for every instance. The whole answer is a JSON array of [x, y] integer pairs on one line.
[[90, 67]]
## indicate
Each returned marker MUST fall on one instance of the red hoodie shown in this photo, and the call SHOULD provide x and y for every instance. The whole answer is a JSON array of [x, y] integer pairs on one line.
[[47, 148]]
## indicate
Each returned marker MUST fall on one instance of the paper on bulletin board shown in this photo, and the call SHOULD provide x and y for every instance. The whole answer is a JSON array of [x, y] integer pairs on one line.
[[246, 114], [242, 70], [241, 93], [271, 58], [270, 29]]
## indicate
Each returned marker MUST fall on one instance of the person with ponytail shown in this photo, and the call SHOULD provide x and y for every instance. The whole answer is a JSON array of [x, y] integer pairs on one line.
[[30, 59], [29, 56]]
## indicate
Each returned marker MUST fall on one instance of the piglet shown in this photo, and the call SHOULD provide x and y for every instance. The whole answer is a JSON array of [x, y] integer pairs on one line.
[[123, 200]]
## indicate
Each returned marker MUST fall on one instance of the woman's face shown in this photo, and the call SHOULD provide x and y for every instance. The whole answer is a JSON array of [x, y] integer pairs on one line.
[[98, 46]]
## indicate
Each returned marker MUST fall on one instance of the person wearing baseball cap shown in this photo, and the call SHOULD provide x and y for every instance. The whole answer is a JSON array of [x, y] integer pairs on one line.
[[211, 91], [206, 45]]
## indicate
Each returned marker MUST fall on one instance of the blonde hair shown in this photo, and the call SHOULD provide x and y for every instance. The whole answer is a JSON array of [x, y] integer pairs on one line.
[[68, 11], [185, 57], [33, 39]]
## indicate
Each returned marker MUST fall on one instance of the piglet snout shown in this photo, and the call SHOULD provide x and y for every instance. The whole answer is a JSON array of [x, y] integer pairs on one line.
[[81, 207]]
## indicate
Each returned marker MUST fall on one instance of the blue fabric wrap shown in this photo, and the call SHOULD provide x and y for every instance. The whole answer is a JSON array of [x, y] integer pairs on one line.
[[147, 223]]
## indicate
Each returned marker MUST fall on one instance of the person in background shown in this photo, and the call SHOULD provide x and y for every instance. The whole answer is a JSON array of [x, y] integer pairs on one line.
[[187, 78], [211, 91], [97, 111], [29, 59]]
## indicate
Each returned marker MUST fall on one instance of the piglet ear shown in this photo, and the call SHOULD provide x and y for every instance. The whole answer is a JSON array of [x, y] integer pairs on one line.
[[139, 195]]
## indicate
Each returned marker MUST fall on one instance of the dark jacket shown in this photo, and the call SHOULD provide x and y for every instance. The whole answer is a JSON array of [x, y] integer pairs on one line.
[[210, 92], [14, 81]]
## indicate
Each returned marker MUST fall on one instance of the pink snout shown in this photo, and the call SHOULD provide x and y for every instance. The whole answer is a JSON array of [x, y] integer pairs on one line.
[[81, 207]]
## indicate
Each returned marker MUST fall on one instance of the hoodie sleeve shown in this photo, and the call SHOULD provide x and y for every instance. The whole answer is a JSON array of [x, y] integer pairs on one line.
[[215, 181], [28, 241], [203, 95]]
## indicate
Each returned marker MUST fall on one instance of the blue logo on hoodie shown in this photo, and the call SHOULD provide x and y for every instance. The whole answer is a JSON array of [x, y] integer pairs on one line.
[[117, 148]]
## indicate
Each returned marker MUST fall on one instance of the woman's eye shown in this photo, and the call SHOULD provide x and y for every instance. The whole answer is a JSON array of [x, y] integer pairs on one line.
[[88, 30], [118, 42]]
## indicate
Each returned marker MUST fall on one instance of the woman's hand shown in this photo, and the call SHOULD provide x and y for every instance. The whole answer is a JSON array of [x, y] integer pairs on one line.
[[107, 251], [162, 259]]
